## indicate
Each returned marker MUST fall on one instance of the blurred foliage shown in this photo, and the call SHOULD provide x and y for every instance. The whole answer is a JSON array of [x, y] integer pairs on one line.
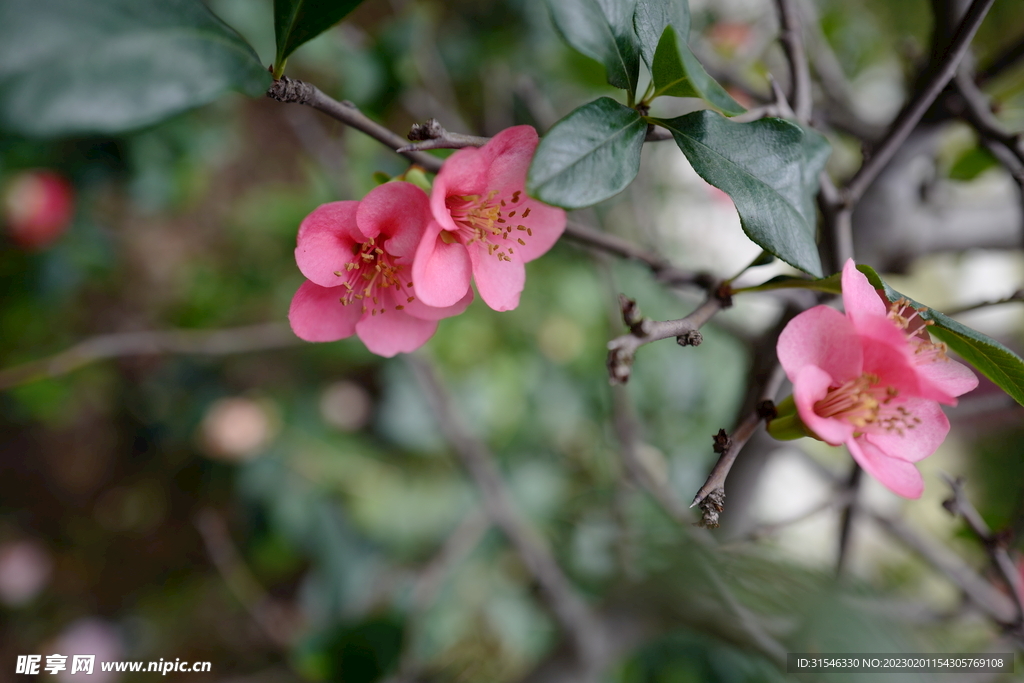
[[344, 493]]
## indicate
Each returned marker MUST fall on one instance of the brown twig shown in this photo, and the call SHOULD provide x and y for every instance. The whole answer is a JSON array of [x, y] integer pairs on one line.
[[995, 544], [711, 496], [664, 271], [1006, 59], [911, 114], [852, 488], [571, 612], [790, 36], [980, 592], [1016, 297], [291, 90], [625, 425], [203, 342], [240, 580], [432, 135], [622, 350], [977, 111]]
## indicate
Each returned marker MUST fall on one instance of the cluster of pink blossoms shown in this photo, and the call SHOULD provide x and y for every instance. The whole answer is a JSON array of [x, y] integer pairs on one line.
[[872, 379], [387, 268]]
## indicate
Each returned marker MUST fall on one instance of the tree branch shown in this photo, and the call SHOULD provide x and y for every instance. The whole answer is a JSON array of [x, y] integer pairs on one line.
[[574, 616], [911, 114], [995, 544], [976, 110], [663, 270], [622, 350], [1013, 298], [799, 70], [203, 342], [432, 135], [291, 90], [711, 496]]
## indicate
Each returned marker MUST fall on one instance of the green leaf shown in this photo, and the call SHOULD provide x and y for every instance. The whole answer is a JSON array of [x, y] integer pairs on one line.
[[651, 19], [590, 155], [677, 73], [769, 168], [107, 66], [831, 284], [602, 30], [299, 21], [972, 163], [1001, 365]]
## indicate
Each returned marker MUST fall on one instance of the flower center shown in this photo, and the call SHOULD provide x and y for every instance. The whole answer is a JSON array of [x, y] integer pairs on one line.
[[909, 319], [866, 404], [489, 220], [368, 274]]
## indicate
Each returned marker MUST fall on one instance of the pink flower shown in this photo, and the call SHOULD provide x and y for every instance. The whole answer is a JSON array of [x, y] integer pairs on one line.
[[357, 257], [486, 226], [873, 380]]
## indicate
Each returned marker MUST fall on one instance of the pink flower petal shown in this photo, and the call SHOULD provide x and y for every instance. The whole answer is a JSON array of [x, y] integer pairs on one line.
[[899, 476], [499, 282], [859, 297], [463, 174], [888, 354], [316, 314], [399, 211], [810, 386], [508, 156], [441, 272], [418, 309], [392, 332], [547, 223], [325, 242], [948, 376], [918, 442], [822, 337]]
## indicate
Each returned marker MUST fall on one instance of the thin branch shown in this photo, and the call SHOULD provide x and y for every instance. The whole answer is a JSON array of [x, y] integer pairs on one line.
[[977, 112], [711, 496], [572, 613], [833, 500], [852, 487], [1016, 297], [240, 580], [1003, 61], [204, 342], [799, 70], [995, 544], [291, 90], [771, 647], [980, 592], [911, 114], [663, 270], [432, 135], [622, 350], [625, 425]]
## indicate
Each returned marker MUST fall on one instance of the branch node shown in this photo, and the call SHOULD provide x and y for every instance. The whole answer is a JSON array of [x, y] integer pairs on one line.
[[766, 410], [631, 315], [430, 129], [724, 294], [292, 90], [691, 338], [721, 441], [712, 507]]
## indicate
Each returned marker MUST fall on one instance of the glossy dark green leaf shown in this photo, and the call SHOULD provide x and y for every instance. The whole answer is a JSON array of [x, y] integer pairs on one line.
[[106, 66], [651, 18], [1001, 365], [677, 73], [299, 21], [602, 30], [590, 155], [769, 168]]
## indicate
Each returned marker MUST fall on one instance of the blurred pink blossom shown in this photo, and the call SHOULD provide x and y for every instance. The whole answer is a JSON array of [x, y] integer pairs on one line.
[[25, 569], [872, 379], [90, 636], [485, 224], [357, 257]]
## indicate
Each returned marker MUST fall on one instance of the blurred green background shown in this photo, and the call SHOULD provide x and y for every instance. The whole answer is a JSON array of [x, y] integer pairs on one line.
[[293, 513]]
